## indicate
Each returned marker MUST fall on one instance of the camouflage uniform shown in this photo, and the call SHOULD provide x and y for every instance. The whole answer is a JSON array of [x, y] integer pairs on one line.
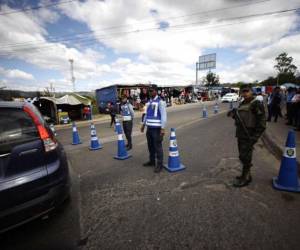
[[250, 123]]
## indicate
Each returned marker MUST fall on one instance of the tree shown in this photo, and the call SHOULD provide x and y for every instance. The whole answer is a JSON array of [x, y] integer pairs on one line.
[[211, 79], [285, 67], [284, 64]]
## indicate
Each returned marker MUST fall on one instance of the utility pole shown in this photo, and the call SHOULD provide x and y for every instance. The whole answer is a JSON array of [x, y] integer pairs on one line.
[[72, 74]]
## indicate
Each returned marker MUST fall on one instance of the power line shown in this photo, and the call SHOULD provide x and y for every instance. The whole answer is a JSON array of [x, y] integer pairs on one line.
[[35, 7], [121, 26], [85, 41]]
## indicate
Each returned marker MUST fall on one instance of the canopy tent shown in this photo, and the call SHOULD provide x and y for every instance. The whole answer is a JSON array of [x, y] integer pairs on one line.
[[289, 85], [71, 99], [73, 104]]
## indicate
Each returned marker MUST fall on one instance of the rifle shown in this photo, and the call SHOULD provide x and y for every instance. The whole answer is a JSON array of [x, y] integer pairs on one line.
[[235, 113]]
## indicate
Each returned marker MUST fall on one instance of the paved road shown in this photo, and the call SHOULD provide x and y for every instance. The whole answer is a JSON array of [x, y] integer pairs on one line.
[[122, 205]]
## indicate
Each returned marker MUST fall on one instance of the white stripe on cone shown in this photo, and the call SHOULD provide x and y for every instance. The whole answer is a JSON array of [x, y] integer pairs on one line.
[[120, 137], [289, 152], [94, 138], [173, 134], [173, 153], [74, 129]]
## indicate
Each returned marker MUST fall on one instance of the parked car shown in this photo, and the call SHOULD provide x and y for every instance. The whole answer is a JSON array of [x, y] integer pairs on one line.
[[230, 97], [34, 175]]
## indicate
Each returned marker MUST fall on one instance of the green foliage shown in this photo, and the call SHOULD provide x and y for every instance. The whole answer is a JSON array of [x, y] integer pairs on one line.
[[285, 65], [212, 80]]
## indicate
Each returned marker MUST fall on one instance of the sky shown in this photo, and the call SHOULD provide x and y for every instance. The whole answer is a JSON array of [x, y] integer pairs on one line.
[[142, 41]]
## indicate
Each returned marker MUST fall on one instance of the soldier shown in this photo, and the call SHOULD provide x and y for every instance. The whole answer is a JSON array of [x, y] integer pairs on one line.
[[127, 115], [155, 120], [250, 122]]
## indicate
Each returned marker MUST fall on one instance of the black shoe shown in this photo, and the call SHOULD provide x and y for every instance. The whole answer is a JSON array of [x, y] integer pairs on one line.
[[128, 147], [157, 169], [244, 179], [149, 164]]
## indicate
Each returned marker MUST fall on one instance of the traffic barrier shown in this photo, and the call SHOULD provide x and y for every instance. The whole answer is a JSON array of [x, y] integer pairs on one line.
[[204, 112], [174, 164], [216, 108], [122, 152], [53, 129], [95, 144], [76, 139], [287, 179]]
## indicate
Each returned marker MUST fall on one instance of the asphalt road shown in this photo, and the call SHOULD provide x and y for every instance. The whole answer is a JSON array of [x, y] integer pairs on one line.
[[123, 205]]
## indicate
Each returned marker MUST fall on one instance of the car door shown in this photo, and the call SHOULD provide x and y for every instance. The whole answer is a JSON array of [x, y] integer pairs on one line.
[[22, 169]]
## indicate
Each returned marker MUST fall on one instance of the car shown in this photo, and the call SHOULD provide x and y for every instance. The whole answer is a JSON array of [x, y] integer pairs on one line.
[[230, 97], [34, 173]]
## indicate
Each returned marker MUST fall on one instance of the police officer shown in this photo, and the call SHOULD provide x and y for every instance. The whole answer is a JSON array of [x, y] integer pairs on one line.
[[155, 120], [127, 115], [250, 121]]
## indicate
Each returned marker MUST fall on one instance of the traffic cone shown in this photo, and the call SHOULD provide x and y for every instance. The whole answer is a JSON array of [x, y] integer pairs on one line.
[[53, 129], [95, 144], [118, 127], [216, 108], [76, 139], [287, 179], [174, 164], [122, 152], [204, 112]]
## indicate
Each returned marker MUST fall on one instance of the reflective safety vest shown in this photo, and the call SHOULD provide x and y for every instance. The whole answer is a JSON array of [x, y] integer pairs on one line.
[[153, 116], [125, 112]]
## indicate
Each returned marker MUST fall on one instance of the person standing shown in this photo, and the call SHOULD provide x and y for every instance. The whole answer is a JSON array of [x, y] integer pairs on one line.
[[289, 105], [112, 111], [250, 122], [127, 115], [275, 104], [155, 120]]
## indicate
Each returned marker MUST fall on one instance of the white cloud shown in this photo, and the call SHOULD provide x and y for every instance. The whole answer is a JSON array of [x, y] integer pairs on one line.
[[130, 28], [15, 74], [28, 37], [260, 62]]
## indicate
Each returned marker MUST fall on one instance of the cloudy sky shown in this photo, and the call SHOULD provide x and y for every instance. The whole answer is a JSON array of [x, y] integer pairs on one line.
[[132, 41]]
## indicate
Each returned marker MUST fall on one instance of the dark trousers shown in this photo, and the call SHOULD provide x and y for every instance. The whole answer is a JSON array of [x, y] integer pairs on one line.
[[127, 127], [155, 148], [245, 152], [289, 112], [113, 119], [273, 110]]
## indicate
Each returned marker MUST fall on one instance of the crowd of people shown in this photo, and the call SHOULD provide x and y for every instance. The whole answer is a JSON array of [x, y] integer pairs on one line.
[[291, 98]]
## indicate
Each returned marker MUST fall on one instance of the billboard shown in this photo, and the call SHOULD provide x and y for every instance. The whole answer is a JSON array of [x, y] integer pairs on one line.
[[207, 62]]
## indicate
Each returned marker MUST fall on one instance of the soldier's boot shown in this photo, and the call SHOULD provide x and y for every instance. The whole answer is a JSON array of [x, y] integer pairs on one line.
[[244, 180], [240, 176]]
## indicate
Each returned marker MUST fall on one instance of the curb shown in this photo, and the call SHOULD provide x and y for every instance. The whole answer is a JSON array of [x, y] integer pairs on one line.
[[274, 148]]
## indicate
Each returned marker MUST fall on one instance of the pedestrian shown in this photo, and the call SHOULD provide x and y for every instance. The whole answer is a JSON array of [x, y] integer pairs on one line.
[[260, 97], [295, 109], [250, 122], [112, 111], [289, 105], [127, 115], [155, 120], [275, 105]]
